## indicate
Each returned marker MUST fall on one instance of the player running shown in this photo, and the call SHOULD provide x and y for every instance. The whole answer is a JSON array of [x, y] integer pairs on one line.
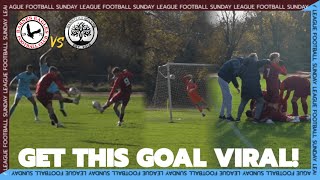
[[122, 81], [44, 68], [45, 96], [271, 75], [192, 90], [301, 87], [23, 89]]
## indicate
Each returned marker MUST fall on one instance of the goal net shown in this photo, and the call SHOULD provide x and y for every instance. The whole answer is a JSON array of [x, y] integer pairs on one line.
[[170, 92]]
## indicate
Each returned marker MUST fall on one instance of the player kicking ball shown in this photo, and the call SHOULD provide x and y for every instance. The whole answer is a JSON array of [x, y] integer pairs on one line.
[[23, 89], [122, 81], [45, 97], [193, 94], [44, 69]]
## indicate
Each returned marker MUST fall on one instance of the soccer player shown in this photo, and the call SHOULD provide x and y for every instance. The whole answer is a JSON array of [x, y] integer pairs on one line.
[[122, 81], [301, 87], [271, 75], [45, 97], [44, 68], [192, 90], [251, 88], [228, 73], [23, 89]]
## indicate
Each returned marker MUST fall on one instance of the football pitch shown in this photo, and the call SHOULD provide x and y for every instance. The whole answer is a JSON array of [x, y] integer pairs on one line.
[[146, 128]]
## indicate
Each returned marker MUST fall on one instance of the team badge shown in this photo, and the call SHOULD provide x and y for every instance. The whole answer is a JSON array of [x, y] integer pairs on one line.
[[81, 32], [32, 32]]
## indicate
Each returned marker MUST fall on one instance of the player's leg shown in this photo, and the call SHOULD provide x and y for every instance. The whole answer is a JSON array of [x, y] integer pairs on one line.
[[15, 103], [304, 105], [61, 104], [35, 107], [125, 101], [244, 102], [122, 111], [294, 106], [224, 86], [199, 107], [52, 115], [116, 98], [115, 108], [59, 97], [259, 108]]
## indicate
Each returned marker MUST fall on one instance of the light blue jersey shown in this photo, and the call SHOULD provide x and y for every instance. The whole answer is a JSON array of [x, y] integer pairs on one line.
[[44, 69], [24, 81]]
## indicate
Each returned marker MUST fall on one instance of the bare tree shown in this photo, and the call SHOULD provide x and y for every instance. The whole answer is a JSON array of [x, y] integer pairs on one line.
[[234, 25]]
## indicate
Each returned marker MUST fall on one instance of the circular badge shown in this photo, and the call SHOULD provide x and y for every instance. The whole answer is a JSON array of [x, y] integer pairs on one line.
[[81, 32], [32, 32]]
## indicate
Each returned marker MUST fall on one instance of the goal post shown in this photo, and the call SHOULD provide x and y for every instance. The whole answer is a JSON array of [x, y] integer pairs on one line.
[[170, 90]]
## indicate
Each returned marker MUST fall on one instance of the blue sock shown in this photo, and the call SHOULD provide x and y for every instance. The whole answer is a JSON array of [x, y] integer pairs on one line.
[[35, 110]]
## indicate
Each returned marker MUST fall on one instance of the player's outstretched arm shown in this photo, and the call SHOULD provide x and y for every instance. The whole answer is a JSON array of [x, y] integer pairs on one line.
[[12, 81], [41, 59]]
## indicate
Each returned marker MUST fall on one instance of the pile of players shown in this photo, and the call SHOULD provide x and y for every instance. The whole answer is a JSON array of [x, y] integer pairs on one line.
[[270, 105], [49, 85]]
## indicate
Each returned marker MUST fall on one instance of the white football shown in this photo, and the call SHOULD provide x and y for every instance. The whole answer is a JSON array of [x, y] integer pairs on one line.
[[73, 91], [96, 105], [172, 76]]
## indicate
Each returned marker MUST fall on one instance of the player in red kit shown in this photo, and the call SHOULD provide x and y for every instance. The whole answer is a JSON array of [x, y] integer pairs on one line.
[[301, 87], [45, 97], [122, 81], [192, 90], [271, 75]]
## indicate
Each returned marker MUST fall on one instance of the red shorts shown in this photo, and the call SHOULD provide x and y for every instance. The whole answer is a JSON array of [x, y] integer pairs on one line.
[[195, 97], [45, 98], [120, 96]]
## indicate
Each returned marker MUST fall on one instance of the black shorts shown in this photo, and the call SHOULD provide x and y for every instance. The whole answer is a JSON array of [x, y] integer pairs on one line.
[[45, 98]]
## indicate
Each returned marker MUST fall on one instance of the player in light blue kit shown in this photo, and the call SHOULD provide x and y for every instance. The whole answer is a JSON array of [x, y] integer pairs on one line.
[[44, 69], [23, 89]]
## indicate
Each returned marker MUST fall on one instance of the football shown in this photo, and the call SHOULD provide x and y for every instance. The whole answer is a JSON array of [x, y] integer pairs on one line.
[[74, 91], [172, 76], [96, 105]]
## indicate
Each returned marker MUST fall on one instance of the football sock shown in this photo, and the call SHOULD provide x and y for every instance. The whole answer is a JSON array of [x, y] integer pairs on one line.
[[13, 107], [295, 108], [199, 108], [53, 117], [35, 110], [61, 105], [117, 112], [121, 117], [305, 107]]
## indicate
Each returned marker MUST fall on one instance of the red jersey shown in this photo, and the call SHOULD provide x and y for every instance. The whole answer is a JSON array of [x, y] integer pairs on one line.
[[45, 82], [271, 74], [191, 86], [122, 82]]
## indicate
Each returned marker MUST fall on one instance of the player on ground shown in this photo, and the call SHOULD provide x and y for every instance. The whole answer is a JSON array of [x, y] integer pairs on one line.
[[192, 90], [45, 97], [44, 68], [122, 81], [271, 75], [272, 113], [23, 89], [301, 87]]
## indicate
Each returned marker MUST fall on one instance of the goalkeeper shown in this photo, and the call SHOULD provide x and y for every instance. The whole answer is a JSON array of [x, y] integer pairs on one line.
[[192, 90]]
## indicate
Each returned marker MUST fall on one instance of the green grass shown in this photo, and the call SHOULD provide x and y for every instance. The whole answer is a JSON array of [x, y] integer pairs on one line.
[[84, 128], [193, 131]]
